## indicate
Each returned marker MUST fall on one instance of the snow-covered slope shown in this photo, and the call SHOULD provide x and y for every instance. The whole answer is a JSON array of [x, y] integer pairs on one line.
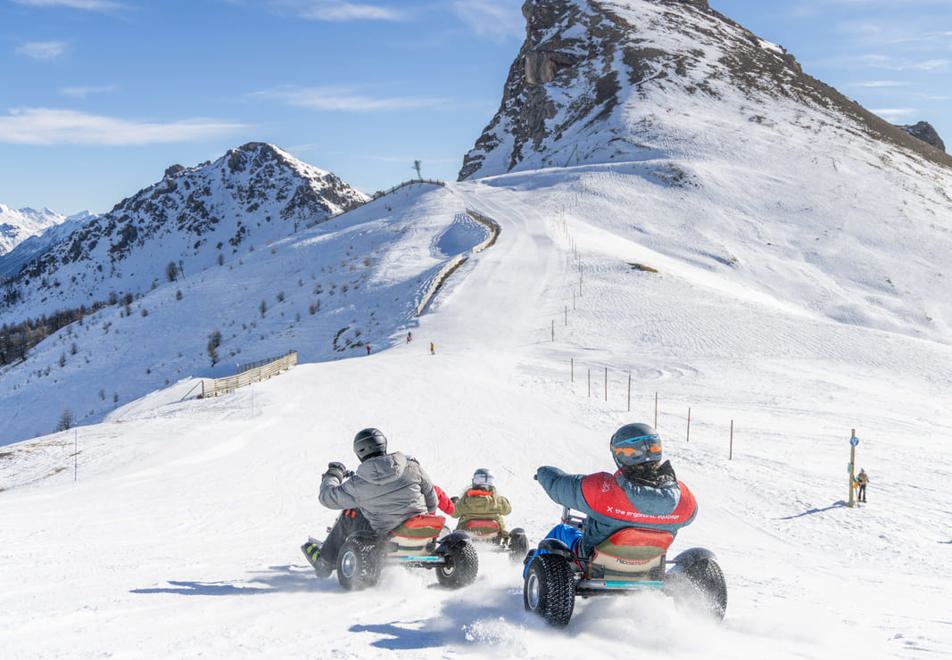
[[721, 152], [191, 219], [18, 225], [767, 268], [327, 292], [176, 524]]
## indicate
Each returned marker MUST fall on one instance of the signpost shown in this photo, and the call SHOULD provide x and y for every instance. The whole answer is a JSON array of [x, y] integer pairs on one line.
[[853, 442]]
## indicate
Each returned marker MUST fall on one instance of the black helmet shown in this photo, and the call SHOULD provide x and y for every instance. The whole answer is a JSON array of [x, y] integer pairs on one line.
[[369, 443], [634, 444]]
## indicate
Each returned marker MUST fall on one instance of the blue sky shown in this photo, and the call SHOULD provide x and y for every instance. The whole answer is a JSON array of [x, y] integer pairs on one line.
[[98, 97]]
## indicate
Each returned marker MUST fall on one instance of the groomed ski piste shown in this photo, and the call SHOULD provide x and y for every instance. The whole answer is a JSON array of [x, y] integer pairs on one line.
[[174, 531]]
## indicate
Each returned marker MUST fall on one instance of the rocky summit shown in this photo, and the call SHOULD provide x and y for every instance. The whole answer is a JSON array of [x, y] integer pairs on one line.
[[596, 79], [192, 218]]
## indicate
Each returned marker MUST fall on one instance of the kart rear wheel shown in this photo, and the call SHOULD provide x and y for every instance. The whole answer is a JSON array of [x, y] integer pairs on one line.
[[518, 545], [549, 589], [701, 586], [358, 565], [462, 565]]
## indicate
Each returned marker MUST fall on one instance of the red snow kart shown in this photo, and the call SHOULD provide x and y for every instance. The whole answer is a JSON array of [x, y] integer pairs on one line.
[[487, 533], [414, 544], [630, 560]]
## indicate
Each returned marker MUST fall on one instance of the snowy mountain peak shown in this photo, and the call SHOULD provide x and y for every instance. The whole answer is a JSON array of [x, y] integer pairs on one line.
[[192, 217], [593, 75], [18, 225]]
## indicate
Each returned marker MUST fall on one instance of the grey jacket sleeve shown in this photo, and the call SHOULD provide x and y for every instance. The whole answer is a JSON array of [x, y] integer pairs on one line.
[[564, 489], [337, 495], [426, 487]]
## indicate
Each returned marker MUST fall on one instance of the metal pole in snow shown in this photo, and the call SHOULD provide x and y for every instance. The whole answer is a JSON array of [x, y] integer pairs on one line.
[[629, 391], [730, 455]]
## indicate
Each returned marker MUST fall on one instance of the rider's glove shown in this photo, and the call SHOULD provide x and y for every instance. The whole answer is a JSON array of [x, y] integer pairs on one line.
[[335, 469]]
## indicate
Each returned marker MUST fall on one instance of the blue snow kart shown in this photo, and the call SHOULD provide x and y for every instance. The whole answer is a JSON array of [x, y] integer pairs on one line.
[[630, 560], [414, 544]]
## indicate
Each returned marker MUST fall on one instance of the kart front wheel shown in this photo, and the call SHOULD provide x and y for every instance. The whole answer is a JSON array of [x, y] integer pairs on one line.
[[549, 589], [462, 565]]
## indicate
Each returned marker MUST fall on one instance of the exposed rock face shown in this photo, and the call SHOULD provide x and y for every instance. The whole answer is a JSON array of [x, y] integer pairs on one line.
[[925, 132], [194, 216], [588, 67]]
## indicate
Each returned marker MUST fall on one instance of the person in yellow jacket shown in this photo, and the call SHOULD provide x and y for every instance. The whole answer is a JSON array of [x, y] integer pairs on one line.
[[861, 480], [481, 508]]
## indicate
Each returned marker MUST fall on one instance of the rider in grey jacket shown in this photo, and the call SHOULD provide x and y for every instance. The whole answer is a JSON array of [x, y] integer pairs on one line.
[[385, 491]]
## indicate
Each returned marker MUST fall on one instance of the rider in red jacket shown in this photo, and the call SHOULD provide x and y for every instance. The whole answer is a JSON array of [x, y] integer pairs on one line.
[[643, 492]]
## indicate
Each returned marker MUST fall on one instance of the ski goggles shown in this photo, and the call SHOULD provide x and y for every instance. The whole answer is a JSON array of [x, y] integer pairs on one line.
[[638, 447]]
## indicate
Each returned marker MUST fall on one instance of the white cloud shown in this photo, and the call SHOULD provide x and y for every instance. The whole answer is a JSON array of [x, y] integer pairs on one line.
[[497, 19], [345, 99], [44, 126], [881, 83], [894, 114], [894, 64], [42, 50], [83, 92], [339, 10], [89, 5]]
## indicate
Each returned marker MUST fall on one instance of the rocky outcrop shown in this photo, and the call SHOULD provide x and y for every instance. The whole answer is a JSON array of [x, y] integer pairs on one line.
[[925, 132], [588, 67], [195, 217]]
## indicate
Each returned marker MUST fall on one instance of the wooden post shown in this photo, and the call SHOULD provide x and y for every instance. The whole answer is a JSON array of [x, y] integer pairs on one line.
[[629, 391], [688, 438], [730, 455], [606, 383], [656, 411]]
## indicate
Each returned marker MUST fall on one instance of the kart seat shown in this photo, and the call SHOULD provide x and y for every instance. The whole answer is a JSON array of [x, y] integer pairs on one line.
[[482, 530], [414, 534], [633, 553]]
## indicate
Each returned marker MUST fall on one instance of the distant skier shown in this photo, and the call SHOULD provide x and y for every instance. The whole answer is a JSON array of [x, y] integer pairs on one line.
[[432, 349], [409, 337], [481, 501], [644, 492], [368, 349], [861, 480], [386, 490]]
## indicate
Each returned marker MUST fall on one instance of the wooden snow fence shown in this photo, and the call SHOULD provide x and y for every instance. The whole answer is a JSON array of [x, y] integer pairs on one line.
[[459, 259], [272, 367]]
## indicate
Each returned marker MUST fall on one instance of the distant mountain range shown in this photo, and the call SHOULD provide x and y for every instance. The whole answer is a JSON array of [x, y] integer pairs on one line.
[[17, 225]]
